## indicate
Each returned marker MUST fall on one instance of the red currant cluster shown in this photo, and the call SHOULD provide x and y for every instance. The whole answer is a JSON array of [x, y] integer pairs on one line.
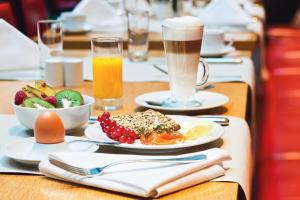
[[116, 131]]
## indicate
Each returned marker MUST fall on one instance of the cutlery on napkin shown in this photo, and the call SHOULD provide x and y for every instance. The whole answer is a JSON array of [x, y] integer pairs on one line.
[[18, 51], [99, 13], [141, 179], [224, 12]]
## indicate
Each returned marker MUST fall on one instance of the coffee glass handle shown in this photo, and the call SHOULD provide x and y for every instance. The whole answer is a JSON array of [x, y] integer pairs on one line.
[[230, 43], [205, 72]]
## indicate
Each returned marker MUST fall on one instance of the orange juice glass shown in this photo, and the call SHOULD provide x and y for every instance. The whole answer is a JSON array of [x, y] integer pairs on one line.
[[107, 72]]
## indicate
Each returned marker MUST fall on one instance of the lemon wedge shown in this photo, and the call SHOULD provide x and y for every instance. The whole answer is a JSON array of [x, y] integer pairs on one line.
[[197, 129]]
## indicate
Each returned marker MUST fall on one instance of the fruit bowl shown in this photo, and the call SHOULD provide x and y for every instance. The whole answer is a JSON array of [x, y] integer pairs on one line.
[[72, 117]]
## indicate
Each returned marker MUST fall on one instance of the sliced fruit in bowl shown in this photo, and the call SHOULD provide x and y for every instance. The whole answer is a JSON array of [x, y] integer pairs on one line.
[[68, 98], [71, 106]]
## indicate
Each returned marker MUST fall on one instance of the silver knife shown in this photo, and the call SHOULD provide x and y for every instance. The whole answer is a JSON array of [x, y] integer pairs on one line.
[[224, 60]]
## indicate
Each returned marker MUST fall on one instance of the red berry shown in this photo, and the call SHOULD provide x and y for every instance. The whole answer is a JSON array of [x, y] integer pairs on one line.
[[51, 99], [130, 140], [114, 135], [113, 123], [106, 121], [131, 133], [123, 139], [119, 132], [99, 119], [106, 129], [106, 115], [19, 97]]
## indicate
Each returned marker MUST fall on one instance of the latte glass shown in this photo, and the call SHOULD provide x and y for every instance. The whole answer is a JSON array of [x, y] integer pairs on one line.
[[182, 49]]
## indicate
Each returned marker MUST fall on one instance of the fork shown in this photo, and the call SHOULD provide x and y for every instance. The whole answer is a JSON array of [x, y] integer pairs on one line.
[[99, 170]]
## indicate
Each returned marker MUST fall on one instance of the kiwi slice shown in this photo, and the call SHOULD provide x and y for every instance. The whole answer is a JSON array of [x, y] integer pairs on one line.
[[34, 102], [68, 98]]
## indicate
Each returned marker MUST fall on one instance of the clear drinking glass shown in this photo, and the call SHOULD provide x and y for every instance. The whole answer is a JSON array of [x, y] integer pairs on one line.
[[138, 31], [50, 40], [162, 9], [107, 72], [182, 56]]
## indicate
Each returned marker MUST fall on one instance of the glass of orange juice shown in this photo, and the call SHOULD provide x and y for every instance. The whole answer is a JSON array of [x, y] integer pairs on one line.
[[107, 72]]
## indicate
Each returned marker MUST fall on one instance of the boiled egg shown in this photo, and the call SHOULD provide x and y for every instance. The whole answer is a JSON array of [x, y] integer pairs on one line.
[[49, 128]]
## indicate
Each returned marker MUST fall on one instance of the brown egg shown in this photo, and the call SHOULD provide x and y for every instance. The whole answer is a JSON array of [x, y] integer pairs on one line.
[[49, 128]]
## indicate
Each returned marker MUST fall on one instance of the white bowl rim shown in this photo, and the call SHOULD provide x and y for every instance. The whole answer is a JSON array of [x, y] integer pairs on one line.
[[91, 99]]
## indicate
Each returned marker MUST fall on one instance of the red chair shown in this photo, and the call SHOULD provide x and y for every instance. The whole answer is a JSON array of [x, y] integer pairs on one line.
[[33, 10], [62, 5], [7, 14]]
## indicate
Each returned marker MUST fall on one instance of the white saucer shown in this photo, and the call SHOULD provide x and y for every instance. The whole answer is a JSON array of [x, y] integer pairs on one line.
[[209, 100], [28, 151], [95, 132], [226, 50], [86, 28]]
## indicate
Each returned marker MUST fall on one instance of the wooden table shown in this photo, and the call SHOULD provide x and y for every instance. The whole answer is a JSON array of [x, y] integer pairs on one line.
[[27, 187], [242, 40]]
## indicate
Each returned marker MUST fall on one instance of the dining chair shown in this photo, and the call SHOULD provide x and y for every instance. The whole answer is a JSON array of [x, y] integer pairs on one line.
[[7, 14], [33, 10]]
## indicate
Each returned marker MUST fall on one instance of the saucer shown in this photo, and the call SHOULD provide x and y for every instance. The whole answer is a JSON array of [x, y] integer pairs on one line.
[[86, 28], [208, 100], [28, 151], [222, 52]]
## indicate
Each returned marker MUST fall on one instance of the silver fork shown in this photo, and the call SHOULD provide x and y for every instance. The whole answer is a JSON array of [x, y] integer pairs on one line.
[[98, 170]]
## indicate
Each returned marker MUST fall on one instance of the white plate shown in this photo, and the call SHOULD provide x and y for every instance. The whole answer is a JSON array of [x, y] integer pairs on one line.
[[222, 52], [208, 99], [86, 28], [28, 151], [94, 132]]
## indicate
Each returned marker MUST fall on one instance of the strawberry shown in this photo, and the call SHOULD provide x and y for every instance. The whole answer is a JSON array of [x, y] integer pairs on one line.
[[51, 99], [19, 97]]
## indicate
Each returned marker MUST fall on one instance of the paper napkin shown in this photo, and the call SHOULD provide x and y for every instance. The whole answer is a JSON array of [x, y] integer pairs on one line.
[[224, 12], [18, 52], [99, 13], [141, 179]]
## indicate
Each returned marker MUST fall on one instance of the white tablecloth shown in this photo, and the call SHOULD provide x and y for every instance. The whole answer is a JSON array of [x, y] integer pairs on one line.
[[236, 140]]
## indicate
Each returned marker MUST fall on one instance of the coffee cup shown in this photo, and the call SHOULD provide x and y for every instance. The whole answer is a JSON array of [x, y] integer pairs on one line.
[[73, 21], [213, 41]]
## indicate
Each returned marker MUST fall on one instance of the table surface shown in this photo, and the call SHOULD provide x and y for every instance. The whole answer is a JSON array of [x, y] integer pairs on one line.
[[39, 187], [244, 40]]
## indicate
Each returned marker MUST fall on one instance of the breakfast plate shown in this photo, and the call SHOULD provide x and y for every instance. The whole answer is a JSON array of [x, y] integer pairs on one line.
[[28, 151], [226, 50], [208, 100], [95, 132]]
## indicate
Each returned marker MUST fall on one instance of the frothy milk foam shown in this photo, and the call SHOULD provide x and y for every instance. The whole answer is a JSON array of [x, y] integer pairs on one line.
[[182, 41]]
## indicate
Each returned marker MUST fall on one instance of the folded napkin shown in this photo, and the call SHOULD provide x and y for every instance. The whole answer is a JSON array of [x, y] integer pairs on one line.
[[141, 179], [99, 14], [18, 51], [224, 12]]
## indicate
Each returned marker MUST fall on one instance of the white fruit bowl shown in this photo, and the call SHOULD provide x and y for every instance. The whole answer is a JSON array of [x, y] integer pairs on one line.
[[72, 118]]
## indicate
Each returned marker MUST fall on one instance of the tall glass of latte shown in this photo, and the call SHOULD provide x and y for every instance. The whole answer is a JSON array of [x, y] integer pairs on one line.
[[182, 42]]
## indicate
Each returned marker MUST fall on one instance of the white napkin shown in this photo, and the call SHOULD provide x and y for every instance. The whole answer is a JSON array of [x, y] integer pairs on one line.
[[99, 14], [224, 12], [141, 179], [18, 51]]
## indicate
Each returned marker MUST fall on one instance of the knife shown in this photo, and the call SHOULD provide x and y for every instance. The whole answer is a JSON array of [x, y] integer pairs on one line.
[[224, 60]]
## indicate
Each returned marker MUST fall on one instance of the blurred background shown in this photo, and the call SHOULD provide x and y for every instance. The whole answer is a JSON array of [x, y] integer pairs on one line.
[[24, 14]]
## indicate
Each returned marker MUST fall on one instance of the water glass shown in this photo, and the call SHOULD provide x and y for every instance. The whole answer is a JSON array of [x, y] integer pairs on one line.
[[50, 41], [107, 72], [162, 8], [138, 31]]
